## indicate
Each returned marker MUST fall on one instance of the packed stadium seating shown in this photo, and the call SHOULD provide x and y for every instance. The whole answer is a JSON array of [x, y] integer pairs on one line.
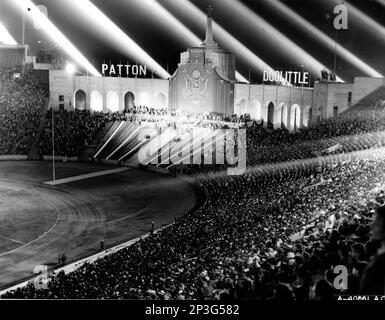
[[276, 232], [21, 107], [73, 131], [240, 245]]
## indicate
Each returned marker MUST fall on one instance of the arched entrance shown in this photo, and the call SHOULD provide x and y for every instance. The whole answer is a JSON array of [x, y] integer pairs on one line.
[[284, 116], [281, 116], [255, 110], [112, 101], [242, 107], [307, 115], [295, 117], [96, 101], [129, 101], [270, 115], [160, 101], [80, 100], [144, 99]]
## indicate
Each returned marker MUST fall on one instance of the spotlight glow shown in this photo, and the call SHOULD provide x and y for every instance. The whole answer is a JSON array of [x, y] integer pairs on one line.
[[55, 34], [107, 29], [185, 7], [366, 21], [70, 68], [177, 27], [5, 36], [382, 2], [259, 26], [323, 38]]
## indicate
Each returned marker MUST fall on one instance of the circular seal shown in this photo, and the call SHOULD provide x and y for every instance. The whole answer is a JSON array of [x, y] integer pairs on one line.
[[196, 74]]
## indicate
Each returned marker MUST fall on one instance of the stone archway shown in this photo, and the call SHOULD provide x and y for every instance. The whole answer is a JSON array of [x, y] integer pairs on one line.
[[160, 101], [112, 101], [307, 116], [80, 100], [144, 99], [282, 116], [129, 100], [96, 101], [254, 110], [270, 115], [295, 117], [242, 107]]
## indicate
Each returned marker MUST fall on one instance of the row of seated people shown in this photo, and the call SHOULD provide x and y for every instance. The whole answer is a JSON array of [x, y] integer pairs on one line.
[[21, 105], [173, 113], [73, 131], [347, 133], [241, 243]]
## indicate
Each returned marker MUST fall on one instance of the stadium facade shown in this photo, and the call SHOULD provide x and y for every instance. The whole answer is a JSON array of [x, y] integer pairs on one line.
[[205, 82]]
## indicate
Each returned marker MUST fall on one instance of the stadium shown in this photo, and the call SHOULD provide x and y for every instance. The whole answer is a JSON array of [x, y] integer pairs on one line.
[[199, 184]]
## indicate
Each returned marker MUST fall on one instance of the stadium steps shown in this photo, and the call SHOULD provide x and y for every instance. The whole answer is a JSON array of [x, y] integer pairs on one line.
[[33, 153], [40, 77], [120, 136], [91, 148], [369, 99], [125, 146], [98, 140], [125, 130]]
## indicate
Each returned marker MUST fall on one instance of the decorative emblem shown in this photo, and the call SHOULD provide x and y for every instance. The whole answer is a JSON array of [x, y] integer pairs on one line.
[[196, 86], [196, 74]]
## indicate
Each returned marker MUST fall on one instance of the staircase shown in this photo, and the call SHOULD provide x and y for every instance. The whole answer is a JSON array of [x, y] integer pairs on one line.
[[370, 99], [99, 139], [117, 141]]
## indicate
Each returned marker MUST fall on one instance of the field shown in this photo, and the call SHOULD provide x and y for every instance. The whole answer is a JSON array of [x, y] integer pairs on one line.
[[38, 221]]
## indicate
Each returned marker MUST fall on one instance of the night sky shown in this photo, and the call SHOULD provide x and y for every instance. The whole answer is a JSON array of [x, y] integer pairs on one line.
[[165, 48]]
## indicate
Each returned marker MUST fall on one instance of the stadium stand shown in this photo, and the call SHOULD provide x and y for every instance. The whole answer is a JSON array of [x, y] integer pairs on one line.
[[21, 105], [239, 245], [276, 232]]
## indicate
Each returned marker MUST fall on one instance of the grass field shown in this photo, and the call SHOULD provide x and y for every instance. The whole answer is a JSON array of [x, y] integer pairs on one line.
[[38, 222]]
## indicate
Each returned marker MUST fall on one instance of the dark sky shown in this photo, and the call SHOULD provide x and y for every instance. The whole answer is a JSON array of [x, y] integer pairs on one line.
[[165, 48]]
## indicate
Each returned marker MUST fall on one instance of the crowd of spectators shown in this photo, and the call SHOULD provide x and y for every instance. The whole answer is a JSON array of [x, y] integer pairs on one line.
[[360, 127], [73, 131], [274, 233], [277, 232], [21, 106]]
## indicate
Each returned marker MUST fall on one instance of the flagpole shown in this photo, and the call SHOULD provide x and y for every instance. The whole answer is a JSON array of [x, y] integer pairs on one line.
[[53, 146], [335, 52], [23, 29]]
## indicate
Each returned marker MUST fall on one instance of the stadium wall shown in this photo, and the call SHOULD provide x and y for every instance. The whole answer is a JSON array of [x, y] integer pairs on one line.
[[13, 56], [104, 94], [364, 86], [278, 106], [330, 99], [281, 106]]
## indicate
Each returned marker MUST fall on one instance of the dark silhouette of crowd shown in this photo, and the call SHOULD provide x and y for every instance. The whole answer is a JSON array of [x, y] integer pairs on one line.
[[280, 231], [21, 105], [73, 131], [274, 233], [360, 127]]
